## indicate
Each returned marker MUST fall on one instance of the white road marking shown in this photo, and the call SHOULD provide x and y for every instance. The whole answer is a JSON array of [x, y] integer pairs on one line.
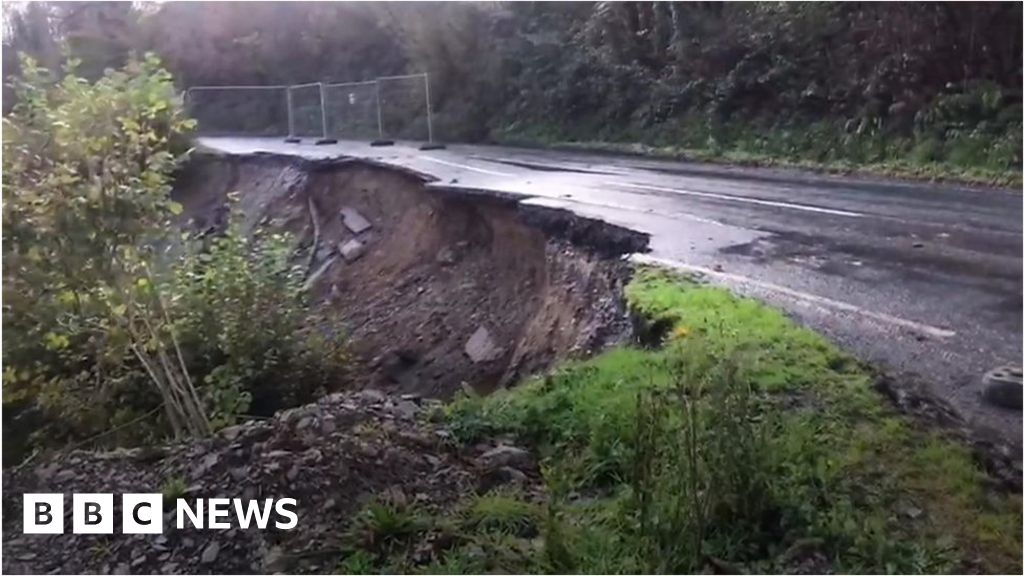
[[616, 206], [791, 205], [465, 167], [933, 331], [575, 199]]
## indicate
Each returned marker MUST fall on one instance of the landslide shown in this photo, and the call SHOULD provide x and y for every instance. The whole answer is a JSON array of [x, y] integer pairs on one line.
[[437, 289]]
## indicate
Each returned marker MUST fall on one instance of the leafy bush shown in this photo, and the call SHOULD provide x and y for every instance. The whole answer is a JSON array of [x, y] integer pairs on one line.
[[86, 199], [113, 316], [242, 313], [172, 489], [700, 464]]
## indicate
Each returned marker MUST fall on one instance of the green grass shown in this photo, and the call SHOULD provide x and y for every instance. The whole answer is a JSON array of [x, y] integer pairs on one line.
[[741, 443], [491, 532], [173, 488], [385, 524], [501, 512], [834, 464]]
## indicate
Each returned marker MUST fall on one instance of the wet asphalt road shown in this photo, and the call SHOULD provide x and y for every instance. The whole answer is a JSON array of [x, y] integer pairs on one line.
[[921, 279]]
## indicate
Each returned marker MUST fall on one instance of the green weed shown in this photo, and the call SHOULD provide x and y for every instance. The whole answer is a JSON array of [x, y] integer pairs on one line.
[[501, 512], [751, 437], [359, 562], [488, 552], [173, 489], [383, 524], [988, 156]]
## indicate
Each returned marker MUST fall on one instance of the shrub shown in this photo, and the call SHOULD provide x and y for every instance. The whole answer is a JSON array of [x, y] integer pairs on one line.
[[244, 318], [113, 316], [173, 489], [86, 199], [699, 461]]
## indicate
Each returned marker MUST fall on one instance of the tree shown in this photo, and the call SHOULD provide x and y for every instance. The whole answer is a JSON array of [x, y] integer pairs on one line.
[[112, 311], [86, 203]]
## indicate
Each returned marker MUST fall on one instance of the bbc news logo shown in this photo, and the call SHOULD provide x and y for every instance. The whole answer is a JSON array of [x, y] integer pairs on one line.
[[144, 513]]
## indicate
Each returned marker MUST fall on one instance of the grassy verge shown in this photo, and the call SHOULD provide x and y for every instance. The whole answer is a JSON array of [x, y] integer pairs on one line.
[[907, 160], [744, 443]]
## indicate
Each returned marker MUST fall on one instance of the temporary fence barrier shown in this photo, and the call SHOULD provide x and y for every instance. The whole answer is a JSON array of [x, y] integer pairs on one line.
[[384, 109], [353, 110]]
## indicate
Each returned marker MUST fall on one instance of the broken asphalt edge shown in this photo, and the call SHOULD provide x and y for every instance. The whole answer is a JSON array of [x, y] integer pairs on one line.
[[593, 234], [1001, 459]]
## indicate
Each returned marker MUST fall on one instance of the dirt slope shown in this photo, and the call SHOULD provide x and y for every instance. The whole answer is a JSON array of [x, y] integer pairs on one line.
[[438, 290], [435, 269]]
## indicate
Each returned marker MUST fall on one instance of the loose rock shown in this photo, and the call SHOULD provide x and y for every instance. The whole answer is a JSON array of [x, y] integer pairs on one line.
[[354, 221], [481, 346], [378, 449], [445, 256], [509, 456], [352, 250], [210, 553]]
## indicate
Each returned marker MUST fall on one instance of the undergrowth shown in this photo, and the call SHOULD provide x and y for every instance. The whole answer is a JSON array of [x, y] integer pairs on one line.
[[742, 443], [980, 155]]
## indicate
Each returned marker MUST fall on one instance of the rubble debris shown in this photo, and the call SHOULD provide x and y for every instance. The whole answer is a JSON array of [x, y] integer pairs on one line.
[[352, 250], [433, 268], [354, 221], [333, 456], [506, 456], [481, 346]]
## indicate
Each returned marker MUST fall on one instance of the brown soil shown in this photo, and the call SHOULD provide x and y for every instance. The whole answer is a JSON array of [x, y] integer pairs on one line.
[[334, 457], [438, 266]]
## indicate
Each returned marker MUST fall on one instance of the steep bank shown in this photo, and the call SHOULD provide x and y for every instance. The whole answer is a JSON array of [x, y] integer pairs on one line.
[[436, 290]]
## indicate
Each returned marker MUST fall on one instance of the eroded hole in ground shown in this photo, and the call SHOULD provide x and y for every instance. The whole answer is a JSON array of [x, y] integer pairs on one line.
[[437, 290]]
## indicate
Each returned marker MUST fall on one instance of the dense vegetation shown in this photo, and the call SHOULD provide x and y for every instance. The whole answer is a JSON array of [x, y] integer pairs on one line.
[[112, 317], [928, 88], [742, 445]]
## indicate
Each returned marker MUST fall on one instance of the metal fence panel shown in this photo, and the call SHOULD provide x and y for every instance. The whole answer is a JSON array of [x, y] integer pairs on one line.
[[306, 111], [391, 107], [405, 107], [353, 110]]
